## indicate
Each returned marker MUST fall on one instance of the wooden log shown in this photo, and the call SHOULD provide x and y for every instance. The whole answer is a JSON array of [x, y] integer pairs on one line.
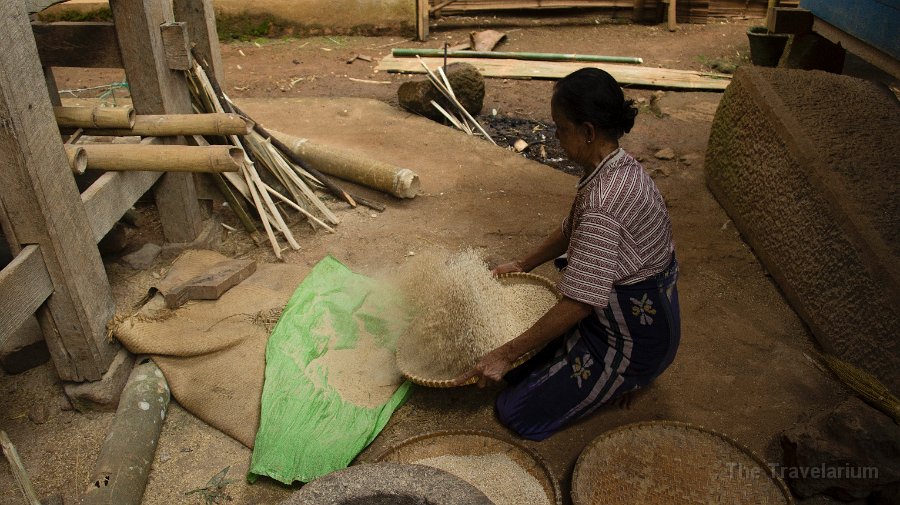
[[156, 89], [18, 470], [649, 77], [175, 43], [401, 52], [162, 158], [94, 117], [87, 45], [122, 468], [400, 182], [170, 125], [24, 286], [43, 208], [77, 159]]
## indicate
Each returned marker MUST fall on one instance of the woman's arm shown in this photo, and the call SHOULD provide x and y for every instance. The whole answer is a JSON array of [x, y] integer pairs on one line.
[[494, 365], [553, 246]]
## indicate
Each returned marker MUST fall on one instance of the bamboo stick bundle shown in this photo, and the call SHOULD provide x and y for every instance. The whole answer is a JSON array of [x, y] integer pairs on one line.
[[170, 125], [158, 158], [465, 121], [261, 162], [94, 117]]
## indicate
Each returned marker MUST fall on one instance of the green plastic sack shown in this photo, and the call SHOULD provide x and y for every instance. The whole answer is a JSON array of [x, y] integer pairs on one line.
[[307, 431]]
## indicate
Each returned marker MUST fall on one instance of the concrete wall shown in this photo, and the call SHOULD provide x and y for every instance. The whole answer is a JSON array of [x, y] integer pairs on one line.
[[292, 16]]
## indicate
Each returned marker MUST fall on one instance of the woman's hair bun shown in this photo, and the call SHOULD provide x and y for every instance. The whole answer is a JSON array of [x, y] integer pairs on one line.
[[592, 95]]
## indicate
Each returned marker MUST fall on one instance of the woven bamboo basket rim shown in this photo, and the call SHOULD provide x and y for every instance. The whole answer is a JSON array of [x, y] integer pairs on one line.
[[541, 472], [448, 383], [579, 473]]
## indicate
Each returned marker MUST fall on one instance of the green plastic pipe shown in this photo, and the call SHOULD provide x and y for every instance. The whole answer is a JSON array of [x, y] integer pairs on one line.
[[401, 52]]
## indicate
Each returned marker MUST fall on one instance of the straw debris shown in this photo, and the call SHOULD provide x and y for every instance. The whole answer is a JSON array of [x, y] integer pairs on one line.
[[460, 312]]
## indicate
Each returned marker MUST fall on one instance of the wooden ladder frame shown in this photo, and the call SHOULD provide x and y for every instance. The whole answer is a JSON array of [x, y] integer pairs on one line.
[[52, 229]]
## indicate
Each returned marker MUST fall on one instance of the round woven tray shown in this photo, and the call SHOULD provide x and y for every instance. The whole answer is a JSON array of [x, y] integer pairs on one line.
[[506, 279], [673, 463], [474, 443]]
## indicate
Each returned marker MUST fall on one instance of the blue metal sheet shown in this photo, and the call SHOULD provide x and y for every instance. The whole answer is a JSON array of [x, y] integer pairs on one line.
[[876, 22]]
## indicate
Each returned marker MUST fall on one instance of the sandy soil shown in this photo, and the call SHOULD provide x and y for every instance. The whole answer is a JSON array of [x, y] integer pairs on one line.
[[741, 368]]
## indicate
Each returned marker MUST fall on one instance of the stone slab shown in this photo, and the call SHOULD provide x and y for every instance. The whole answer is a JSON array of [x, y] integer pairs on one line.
[[102, 395], [805, 163]]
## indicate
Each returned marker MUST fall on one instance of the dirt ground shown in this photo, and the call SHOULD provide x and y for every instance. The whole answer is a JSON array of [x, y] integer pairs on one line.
[[740, 370]]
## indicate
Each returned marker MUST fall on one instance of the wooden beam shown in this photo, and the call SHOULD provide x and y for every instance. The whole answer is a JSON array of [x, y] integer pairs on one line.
[[156, 89], [175, 42], [87, 45], [859, 47], [24, 286], [662, 78], [43, 206], [202, 36]]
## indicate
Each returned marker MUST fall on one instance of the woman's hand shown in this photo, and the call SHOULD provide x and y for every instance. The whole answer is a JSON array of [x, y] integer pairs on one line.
[[490, 368], [512, 266]]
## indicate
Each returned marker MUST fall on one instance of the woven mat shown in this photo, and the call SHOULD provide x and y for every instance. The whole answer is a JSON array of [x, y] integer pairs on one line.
[[672, 463], [213, 352]]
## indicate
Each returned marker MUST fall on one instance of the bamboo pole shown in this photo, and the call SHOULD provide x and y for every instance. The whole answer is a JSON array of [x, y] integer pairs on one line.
[[402, 52], [400, 182], [672, 16], [18, 470], [77, 158], [170, 125], [94, 117], [162, 158]]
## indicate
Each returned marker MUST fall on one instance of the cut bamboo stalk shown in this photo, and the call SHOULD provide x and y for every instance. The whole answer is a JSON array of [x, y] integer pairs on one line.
[[406, 52], [287, 168], [162, 158], [170, 125], [263, 214], [400, 182], [451, 118], [298, 208], [77, 157], [94, 117], [463, 109], [18, 470], [260, 185]]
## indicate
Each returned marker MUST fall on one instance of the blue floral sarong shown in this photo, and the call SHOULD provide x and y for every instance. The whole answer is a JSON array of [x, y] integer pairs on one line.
[[607, 354]]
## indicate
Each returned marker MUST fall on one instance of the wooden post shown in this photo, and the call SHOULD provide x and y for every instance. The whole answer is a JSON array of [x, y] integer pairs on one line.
[[672, 16], [43, 207], [422, 7], [201, 28], [156, 89]]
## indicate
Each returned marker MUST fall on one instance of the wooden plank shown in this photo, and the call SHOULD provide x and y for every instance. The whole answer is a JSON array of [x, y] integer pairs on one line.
[[661, 78], [156, 89], [175, 42], [52, 90], [24, 286], [44, 208], [860, 48], [201, 26], [111, 195], [211, 284], [88, 45]]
